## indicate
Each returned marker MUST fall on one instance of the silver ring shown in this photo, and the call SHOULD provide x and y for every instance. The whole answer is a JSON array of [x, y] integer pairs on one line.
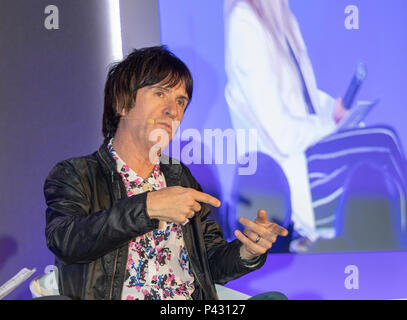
[[257, 239], [185, 222]]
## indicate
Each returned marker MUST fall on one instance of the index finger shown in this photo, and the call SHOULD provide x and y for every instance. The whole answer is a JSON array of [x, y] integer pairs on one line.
[[206, 198], [281, 231], [271, 229]]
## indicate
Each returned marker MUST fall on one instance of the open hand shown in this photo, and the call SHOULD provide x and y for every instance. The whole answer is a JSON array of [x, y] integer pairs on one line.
[[258, 236]]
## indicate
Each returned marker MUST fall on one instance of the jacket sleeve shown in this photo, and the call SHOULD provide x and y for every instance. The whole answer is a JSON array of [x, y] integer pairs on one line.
[[77, 235], [224, 259]]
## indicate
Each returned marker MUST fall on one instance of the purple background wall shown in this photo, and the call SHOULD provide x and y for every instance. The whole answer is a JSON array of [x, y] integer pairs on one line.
[[322, 276]]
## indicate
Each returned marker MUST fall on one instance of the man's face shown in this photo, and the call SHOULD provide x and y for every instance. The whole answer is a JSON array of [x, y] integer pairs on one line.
[[157, 112]]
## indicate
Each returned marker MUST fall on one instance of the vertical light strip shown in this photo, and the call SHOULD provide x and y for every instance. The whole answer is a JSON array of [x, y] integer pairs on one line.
[[115, 27]]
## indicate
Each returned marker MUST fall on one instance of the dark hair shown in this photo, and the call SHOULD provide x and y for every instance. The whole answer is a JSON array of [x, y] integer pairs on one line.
[[141, 68]]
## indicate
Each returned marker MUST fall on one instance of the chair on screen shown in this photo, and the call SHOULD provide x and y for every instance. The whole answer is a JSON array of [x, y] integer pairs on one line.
[[371, 216]]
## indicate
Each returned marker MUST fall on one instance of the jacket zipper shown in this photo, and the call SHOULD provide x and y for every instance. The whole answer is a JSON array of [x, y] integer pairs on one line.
[[191, 264], [114, 271], [117, 250]]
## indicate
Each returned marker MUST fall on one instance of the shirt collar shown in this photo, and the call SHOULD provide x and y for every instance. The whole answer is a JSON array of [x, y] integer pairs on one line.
[[171, 168], [122, 167]]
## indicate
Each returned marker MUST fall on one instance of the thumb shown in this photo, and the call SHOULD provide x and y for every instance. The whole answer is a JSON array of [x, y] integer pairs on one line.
[[261, 216]]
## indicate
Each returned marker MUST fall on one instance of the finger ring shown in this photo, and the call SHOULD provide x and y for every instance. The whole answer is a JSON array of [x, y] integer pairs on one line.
[[185, 222], [257, 239]]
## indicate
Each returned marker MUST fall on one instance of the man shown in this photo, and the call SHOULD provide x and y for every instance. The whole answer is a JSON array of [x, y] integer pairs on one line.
[[125, 224]]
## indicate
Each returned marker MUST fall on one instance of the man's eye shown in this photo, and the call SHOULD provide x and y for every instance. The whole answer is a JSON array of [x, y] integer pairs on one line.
[[159, 93], [181, 103]]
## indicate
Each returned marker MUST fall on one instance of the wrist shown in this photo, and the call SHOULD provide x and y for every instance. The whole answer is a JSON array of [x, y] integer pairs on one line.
[[150, 212], [246, 256], [252, 262]]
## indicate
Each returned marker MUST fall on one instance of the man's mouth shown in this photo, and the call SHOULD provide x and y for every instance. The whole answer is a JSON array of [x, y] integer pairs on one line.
[[165, 125]]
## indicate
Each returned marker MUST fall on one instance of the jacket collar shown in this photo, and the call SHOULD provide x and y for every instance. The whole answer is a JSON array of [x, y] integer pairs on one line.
[[108, 160]]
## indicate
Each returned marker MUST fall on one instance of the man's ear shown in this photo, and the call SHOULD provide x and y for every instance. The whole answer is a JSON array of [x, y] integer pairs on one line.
[[121, 111]]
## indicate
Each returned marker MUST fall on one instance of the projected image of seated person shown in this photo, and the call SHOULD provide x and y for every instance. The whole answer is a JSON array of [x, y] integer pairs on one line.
[[271, 86]]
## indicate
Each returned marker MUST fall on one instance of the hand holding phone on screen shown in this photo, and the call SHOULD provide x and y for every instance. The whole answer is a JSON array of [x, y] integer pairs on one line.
[[343, 105], [354, 86], [339, 111]]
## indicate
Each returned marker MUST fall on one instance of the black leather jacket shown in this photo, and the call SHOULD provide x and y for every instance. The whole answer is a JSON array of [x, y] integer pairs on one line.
[[90, 221]]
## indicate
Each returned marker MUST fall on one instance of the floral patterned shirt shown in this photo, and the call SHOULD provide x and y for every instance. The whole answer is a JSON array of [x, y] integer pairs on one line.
[[158, 265]]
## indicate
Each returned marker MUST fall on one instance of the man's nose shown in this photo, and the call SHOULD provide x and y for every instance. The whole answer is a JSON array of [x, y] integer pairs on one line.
[[170, 109]]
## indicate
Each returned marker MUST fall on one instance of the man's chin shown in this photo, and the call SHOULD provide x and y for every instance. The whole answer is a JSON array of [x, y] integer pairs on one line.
[[156, 149]]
